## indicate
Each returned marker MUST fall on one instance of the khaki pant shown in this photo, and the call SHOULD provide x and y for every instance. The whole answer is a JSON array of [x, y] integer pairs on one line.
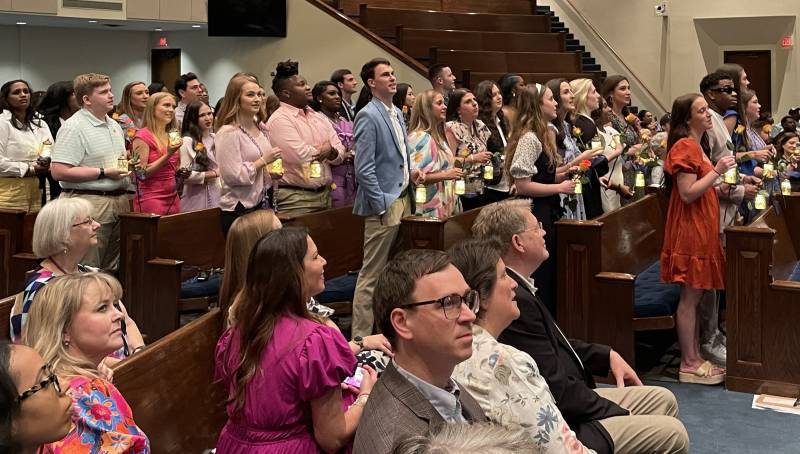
[[653, 425], [288, 200], [20, 194], [106, 211], [380, 233]]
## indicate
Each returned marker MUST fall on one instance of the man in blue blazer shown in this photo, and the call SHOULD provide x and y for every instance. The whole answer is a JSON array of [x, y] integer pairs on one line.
[[384, 183]]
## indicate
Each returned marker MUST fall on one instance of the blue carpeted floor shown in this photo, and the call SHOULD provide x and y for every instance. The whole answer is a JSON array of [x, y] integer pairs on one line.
[[721, 421]]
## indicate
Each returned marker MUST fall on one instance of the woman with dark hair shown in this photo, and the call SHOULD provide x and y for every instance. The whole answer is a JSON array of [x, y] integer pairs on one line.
[[25, 145], [467, 137], [35, 410], [364, 97], [404, 100], [57, 106], [327, 98], [510, 86], [616, 91], [157, 87], [787, 145], [201, 188], [756, 149], [692, 252], [490, 112], [281, 366]]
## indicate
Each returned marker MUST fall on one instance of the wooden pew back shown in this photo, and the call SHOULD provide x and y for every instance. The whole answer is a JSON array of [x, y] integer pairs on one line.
[[350, 7], [632, 236], [470, 79], [195, 238], [476, 60], [419, 232], [16, 237], [784, 256], [417, 42], [6, 304], [170, 388]]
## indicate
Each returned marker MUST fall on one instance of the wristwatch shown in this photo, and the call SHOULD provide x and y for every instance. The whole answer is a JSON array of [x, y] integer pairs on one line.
[[102, 174], [359, 341]]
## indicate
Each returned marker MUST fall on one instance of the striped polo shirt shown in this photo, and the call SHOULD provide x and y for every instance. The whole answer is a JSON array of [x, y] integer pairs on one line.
[[86, 141]]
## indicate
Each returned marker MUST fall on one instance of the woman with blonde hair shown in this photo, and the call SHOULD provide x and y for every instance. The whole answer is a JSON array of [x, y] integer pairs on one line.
[[75, 325], [158, 162], [432, 157], [243, 151]]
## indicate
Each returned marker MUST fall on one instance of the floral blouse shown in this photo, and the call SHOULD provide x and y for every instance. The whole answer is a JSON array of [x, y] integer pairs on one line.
[[471, 139], [102, 423], [509, 388], [427, 156]]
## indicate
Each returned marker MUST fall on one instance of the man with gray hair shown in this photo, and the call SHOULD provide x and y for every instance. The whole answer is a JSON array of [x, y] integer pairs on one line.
[[621, 420]]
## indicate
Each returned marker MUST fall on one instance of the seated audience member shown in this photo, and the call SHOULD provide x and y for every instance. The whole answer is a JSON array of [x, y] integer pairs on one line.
[[243, 152], [443, 81], [347, 84], [425, 309], [467, 137], [433, 158], [612, 183], [25, 144], [631, 419], [62, 234], [787, 144], [404, 100], [510, 86], [201, 188], [298, 406], [187, 89], [490, 105], [483, 438], [308, 142], [75, 325], [496, 371], [155, 150], [57, 106], [327, 100], [156, 87], [35, 410]]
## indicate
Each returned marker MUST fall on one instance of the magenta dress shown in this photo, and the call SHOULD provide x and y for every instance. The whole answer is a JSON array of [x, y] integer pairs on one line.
[[303, 361], [157, 193]]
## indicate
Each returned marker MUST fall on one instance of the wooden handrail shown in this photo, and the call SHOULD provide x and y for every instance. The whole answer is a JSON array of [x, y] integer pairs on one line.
[[372, 37]]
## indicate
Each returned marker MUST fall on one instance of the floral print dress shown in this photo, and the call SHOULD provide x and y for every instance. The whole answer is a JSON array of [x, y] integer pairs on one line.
[[509, 388], [102, 423], [427, 156]]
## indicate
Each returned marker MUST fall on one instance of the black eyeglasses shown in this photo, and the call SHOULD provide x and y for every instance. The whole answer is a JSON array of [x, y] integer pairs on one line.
[[51, 378], [451, 304], [87, 221], [729, 90]]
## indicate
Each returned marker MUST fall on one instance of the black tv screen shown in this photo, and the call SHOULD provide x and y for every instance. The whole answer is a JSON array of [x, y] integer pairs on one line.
[[247, 18]]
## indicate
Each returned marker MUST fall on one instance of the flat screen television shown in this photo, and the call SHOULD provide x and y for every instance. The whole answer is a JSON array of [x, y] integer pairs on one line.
[[247, 18]]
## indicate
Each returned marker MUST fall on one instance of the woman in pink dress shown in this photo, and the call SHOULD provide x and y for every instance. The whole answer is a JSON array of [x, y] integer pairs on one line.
[[157, 160], [281, 366]]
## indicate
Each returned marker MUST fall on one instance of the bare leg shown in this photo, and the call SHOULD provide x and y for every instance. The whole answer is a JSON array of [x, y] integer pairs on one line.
[[688, 328]]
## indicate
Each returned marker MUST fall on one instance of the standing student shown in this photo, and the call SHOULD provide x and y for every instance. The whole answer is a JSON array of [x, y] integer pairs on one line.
[[442, 80], [383, 175], [490, 108], [467, 137], [348, 85], [187, 89], [56, 107], [404, 100], [201, 189]]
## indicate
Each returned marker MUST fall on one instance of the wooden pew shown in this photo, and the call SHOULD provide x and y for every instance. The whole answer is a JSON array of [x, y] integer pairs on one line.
[[420, 232], [598, 263], [506, 62], [470, 79], [384, 21], [763, 302], [153, 249], [417, 42], [16, 237], [351, 7], [170, 388], [6, 304]]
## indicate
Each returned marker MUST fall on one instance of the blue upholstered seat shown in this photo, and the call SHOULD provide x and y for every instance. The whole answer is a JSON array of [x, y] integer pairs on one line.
[[338, 289], [654, 298], [795, 276]]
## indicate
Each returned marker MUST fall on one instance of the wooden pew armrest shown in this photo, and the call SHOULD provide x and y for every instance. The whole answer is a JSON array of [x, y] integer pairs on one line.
[[613, 324], [785, 286]]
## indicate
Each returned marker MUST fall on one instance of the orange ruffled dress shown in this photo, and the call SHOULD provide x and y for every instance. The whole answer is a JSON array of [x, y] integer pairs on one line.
[[692, 251]]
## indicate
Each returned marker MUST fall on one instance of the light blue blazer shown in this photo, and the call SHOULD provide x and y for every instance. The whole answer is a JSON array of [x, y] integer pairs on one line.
[[379, 160]]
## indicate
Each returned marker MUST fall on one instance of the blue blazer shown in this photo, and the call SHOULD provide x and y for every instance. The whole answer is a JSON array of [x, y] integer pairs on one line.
[[379, 160]]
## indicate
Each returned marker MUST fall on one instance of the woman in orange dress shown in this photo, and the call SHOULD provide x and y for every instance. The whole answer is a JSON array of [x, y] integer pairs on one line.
[[692, 251]]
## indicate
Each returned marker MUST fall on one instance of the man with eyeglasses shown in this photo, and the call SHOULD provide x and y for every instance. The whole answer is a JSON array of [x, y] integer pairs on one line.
[[632, 419], [425, 309]]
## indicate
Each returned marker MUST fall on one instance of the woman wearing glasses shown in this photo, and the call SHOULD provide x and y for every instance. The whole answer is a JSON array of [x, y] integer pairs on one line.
[[36, 410], [75, 325], [497, 371], [62, 235]]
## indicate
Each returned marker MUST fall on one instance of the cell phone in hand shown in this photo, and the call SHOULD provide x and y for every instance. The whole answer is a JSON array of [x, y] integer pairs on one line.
[[355, 379]]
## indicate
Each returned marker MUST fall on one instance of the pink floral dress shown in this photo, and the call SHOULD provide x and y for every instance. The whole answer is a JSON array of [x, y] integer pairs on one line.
[[102, 423], [427, 156]]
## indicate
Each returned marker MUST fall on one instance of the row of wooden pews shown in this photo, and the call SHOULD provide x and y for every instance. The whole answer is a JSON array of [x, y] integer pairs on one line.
[[351, 7]]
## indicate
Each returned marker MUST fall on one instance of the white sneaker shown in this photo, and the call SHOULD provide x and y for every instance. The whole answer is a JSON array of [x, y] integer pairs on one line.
[[715, 349]]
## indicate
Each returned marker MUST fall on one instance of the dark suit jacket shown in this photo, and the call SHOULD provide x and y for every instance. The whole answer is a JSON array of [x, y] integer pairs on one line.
[[396, 408], [568, 376]]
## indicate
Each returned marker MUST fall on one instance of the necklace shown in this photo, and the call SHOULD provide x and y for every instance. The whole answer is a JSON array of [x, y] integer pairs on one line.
[[53, 261]]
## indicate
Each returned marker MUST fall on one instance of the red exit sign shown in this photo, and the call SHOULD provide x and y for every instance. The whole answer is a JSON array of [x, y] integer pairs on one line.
[[162, 42], [787, 42]]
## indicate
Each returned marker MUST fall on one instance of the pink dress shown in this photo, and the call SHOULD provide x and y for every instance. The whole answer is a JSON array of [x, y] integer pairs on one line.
[[157, 193], [303, 361]]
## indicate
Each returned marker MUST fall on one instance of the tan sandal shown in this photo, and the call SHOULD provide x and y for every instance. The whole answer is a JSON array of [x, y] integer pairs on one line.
[[702, 375]]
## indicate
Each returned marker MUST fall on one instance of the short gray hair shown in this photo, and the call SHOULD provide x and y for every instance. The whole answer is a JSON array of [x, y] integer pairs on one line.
[[483, 438], [53, 226], [501, 220]]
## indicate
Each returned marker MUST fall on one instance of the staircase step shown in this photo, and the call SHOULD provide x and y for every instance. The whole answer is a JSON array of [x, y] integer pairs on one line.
[[588, 61], [542, 9], [594, 67], [570, 35], [559, 29], [574, 42], [556, 24]]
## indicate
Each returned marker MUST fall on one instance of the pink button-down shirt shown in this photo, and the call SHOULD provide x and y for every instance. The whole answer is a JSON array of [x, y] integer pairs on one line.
[[236, 154], [298, 133]]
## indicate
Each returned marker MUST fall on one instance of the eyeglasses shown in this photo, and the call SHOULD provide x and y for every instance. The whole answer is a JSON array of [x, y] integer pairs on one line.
[[729, 90], [536, 228], [86, 222], [51, 378], [451, 304]]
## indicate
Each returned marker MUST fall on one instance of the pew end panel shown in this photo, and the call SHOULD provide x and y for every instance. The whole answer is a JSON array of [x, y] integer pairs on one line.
[[578, 253], [613, 323], [6, 305], [170, 388], [16, 236], [21, 264], [420, 232]]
